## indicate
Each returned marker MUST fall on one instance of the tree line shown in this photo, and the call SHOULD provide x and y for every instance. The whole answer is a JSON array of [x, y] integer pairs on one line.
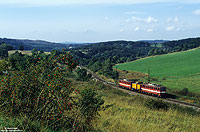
[[100, 57]]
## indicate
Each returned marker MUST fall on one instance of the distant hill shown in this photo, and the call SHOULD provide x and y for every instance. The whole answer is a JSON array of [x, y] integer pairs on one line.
[[75, 43], [155, 41], [122, 51], [183, 44], [157, 46], [31, 44]]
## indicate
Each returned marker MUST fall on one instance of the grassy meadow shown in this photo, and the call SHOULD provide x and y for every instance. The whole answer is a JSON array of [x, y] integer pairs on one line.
[[126, 113], [175, 71], [23, 52]]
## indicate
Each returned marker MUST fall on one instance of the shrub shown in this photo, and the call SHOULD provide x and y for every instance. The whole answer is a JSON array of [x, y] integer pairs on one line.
[[90, 103], [184, 91], [40, 92], [82, 75], [3, 66], [156, 104]]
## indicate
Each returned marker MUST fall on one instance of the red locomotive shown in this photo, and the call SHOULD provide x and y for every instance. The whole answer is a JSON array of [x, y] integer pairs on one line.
[[147, 88]]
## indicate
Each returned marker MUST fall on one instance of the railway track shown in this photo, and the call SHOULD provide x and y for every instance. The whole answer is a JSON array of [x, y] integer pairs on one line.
[[168, 100]]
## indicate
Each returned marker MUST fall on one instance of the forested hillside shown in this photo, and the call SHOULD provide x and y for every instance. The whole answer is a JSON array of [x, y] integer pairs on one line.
[[181, 45], [4, 48], [100, 57], [34, 44]]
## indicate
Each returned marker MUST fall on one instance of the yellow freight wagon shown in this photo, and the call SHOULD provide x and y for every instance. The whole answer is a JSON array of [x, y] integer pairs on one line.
[[136, 86]]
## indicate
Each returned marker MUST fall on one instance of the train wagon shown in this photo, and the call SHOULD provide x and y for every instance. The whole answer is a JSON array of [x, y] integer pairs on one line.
[[137, 86], [125, 84], [147, 88], [153, 89], [130, 84]]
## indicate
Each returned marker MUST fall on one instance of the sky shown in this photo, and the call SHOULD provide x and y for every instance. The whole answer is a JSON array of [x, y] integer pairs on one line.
[[99, 20]]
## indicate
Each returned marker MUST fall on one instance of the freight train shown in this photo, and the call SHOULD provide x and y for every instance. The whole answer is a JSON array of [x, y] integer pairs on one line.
[[146, 88]]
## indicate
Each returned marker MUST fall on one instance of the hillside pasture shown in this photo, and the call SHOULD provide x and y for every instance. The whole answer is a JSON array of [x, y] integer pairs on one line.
[[176, 70], [27, 52]]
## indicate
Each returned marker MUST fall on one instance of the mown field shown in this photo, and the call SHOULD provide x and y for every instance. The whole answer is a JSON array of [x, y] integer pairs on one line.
[[23, 52], [176, 71]]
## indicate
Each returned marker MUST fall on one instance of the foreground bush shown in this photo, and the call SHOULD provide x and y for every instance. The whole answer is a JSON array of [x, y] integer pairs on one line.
[[156, 104], [42, 93]]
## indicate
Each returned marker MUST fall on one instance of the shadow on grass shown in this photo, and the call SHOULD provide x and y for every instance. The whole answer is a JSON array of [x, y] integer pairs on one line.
[[173, 96]]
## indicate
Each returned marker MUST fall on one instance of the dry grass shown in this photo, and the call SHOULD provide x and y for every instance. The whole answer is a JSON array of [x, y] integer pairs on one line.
[[105, 78], [129, 115], [131, 74], [125, 113], [23, 52]]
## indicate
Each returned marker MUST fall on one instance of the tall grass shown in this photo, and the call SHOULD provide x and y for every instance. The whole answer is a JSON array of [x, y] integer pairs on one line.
[[125, 113]]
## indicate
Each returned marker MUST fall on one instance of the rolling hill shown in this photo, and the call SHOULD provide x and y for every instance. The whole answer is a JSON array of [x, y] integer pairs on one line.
[[176, 70], [34, 44]]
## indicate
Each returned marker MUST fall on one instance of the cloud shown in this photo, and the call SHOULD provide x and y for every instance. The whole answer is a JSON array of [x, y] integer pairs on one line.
[[106, 18], [169, 19], [197, 12], [175, 19], [134, 18], [121, 30], [150, 30], [67, 2], [173, 28], [179, 29], [170, 28], [128, 20], [133, 12], [137, 28], [146, 20], [150, 20]]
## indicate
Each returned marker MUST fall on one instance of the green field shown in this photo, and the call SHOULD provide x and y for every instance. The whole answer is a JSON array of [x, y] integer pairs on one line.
[[23, 52], [176, 71]]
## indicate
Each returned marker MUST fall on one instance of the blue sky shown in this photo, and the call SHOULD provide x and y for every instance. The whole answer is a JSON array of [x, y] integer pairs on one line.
[[99, 20]]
